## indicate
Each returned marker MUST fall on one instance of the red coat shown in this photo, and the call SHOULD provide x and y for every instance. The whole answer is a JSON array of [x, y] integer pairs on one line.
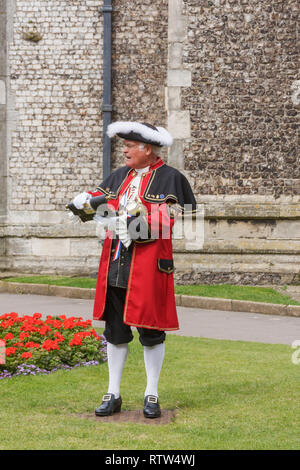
[[150, 299]]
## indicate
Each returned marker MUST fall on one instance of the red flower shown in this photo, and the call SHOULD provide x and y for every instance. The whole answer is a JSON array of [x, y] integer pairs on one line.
[[83, 334], [76, 341], [23, 336], [31, 344], [36, 316], [84, 324], [26, 318], [26, 355], [10, 351], [44, 330], [57, 324], [69, 324], [54, 334], [95, 334], [7, 324], [50, 345], [59, 336], [9, 336], [13, 315], [4, 316], [28, 326]]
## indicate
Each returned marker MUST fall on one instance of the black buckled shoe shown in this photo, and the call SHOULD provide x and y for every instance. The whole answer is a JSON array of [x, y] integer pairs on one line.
[[151, 407], [109, 405]]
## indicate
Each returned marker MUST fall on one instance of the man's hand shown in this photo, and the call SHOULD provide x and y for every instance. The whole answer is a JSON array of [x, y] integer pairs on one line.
[[80, 200], [122, 230], [116, 224]]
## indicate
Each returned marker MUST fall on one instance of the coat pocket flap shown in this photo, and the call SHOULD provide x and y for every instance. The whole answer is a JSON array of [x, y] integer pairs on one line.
[[165, 265]]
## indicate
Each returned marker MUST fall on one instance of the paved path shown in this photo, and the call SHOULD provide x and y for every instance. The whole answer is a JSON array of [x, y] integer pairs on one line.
[[193, 322]]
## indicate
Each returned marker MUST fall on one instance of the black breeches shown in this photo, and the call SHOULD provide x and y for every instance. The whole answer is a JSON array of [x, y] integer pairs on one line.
[[116, 331]]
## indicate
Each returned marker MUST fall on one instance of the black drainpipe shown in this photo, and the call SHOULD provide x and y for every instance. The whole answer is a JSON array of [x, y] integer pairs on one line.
[[107, 106]]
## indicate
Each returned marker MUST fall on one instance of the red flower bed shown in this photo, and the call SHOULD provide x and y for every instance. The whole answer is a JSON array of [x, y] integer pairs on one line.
[[52, 343]]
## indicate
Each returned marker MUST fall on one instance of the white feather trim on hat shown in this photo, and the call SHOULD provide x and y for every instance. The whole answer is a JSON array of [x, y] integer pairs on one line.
[[161, 136]]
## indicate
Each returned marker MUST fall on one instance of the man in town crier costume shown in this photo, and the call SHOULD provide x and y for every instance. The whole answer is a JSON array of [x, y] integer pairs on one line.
[[135, 285]]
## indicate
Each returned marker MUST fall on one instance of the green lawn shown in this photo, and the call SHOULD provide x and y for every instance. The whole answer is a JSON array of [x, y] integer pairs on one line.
[[226, 291], [86, 282], [227, 394]]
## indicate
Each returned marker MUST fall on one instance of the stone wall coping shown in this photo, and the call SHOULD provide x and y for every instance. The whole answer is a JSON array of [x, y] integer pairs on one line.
[[208, 303]]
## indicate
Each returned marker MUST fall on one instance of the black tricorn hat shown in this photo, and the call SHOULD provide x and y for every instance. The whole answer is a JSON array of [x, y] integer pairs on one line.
[[141, 132]]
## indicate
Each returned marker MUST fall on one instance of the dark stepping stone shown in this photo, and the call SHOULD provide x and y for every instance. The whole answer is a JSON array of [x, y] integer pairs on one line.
[[135, 416]]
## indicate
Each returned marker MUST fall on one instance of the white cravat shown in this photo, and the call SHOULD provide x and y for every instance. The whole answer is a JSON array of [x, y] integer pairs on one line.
[[134, 186], [119, 224], [129, 195]]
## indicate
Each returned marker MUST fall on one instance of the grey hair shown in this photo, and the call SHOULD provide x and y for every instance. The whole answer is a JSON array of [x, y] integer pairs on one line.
[[156, 149]]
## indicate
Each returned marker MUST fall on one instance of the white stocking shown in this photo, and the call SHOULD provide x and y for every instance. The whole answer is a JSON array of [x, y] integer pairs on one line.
[[153, 357], [116, 358]]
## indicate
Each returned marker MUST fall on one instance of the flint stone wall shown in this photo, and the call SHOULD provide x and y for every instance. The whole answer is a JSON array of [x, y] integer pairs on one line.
[[57, 86], [245, 96], [139, 56]]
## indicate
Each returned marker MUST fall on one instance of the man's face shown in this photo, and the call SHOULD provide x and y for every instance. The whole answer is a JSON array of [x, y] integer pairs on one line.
[[136, 154]]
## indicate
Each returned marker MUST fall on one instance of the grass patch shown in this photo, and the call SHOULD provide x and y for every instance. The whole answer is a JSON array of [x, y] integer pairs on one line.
[[228, 395], [228, 291], [225, 291], [85, 282]]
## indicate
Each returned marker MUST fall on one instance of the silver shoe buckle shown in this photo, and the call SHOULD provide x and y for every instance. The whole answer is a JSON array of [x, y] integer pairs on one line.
[[106, 398], [152, 399]]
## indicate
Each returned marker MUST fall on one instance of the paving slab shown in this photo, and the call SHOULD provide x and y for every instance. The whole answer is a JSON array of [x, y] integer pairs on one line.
[[217, 324], [239, 326]]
